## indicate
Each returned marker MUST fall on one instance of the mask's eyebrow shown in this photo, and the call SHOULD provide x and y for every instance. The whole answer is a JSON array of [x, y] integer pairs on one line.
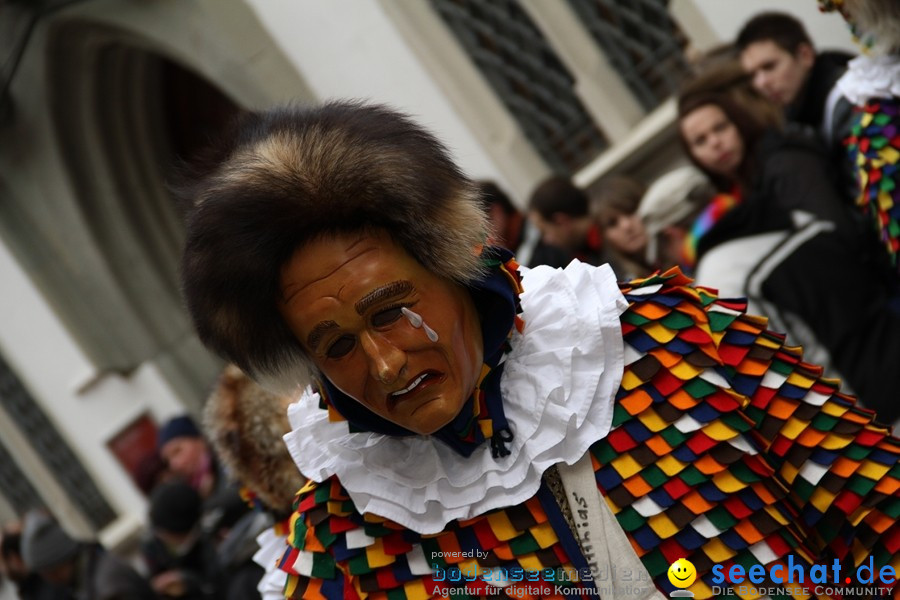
[[390, 290], [315, 336]]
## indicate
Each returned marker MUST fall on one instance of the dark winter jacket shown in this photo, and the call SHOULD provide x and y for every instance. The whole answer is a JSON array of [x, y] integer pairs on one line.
[[799, 255], [198, 567], [102, 576], [824, 109]]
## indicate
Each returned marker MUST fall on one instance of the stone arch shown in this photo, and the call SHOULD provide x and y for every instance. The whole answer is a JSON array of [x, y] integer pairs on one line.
[[88, 214]]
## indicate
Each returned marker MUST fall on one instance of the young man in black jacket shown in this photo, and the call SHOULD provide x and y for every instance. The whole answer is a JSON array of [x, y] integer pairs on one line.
[[778, 54]]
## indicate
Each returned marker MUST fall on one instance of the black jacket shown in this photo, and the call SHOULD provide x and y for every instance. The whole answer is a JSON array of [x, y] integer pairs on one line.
[[822, 108], [799, 255]]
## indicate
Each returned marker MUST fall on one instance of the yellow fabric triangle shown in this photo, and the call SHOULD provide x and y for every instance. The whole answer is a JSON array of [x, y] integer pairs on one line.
[[776, 514], [873, 470], [890, 155], [501, 526], [793, 428], [799, 380], [376, 556], [670, 465], [309, 486], [415, 590], [336, 507], [728, 483], [630, 380], [833, 409], [719, 431], [834, 441], [652, 421], [659, 332], [530, 562], [626, 466], [291, 586], [767, 343], [789, 472], [544, 535], [685, 371], [469, 568], [662, 525], [717, 551], [859, 514], [821, 499]]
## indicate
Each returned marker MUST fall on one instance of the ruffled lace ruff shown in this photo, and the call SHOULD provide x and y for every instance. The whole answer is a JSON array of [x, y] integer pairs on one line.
[[558, 386], [869, 77], [271, 549]]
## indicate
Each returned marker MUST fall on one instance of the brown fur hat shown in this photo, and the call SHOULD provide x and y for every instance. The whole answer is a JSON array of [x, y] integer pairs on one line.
[[287, 176], [245, 425]]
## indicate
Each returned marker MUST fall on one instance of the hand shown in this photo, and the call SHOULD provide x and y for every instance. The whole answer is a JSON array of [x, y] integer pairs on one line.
[[169, 583]]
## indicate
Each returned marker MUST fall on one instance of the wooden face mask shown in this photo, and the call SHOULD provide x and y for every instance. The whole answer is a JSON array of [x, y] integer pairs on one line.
[[384, 330]]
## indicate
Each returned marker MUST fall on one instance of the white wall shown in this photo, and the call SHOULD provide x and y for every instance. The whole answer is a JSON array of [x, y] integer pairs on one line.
[[85, 406], [828, 30], [351, 49]]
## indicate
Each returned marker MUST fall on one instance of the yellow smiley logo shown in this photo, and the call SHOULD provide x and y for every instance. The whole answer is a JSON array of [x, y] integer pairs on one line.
[[682, 573]]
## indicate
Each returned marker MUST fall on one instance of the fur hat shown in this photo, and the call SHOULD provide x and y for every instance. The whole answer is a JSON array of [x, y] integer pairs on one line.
[[175, 507], [176, 427], [286, 176], [246, 425], [45, 543]]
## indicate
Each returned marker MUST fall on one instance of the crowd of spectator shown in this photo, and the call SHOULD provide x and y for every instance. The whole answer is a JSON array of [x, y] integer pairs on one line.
[[203, 517], [767, 211]]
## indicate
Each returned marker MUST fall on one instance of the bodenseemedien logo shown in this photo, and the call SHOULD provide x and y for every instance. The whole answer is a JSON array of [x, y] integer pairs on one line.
[[682, 574]]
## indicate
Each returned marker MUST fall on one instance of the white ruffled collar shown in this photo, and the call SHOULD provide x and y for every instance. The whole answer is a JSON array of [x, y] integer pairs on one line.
[[558, 385], [870, 77]]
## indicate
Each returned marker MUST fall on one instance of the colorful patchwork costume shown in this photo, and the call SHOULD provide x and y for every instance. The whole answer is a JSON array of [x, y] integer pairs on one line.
[[709, 439], [873, 83]]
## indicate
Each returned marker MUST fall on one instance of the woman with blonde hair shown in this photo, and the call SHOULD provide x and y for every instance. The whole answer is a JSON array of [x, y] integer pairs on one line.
[[614, 203]]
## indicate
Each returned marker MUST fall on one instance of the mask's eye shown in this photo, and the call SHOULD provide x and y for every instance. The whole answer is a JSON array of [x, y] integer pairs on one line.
[[340, 347], [386, 316]]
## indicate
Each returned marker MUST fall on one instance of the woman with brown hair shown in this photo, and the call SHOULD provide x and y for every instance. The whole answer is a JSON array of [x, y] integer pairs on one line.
[[614, 204], [792, 247]]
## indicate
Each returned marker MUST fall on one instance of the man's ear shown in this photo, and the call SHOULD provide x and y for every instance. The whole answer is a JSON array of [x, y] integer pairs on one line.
[[806, 55]]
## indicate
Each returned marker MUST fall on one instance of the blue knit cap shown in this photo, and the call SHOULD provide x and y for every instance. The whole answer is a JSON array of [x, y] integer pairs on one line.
[[183, 426]]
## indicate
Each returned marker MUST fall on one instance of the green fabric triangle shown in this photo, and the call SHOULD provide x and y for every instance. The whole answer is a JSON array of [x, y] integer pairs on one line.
[[698, 388], [524, 544], [323, 566], [677, 320], [359, 565], [720, 321]]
